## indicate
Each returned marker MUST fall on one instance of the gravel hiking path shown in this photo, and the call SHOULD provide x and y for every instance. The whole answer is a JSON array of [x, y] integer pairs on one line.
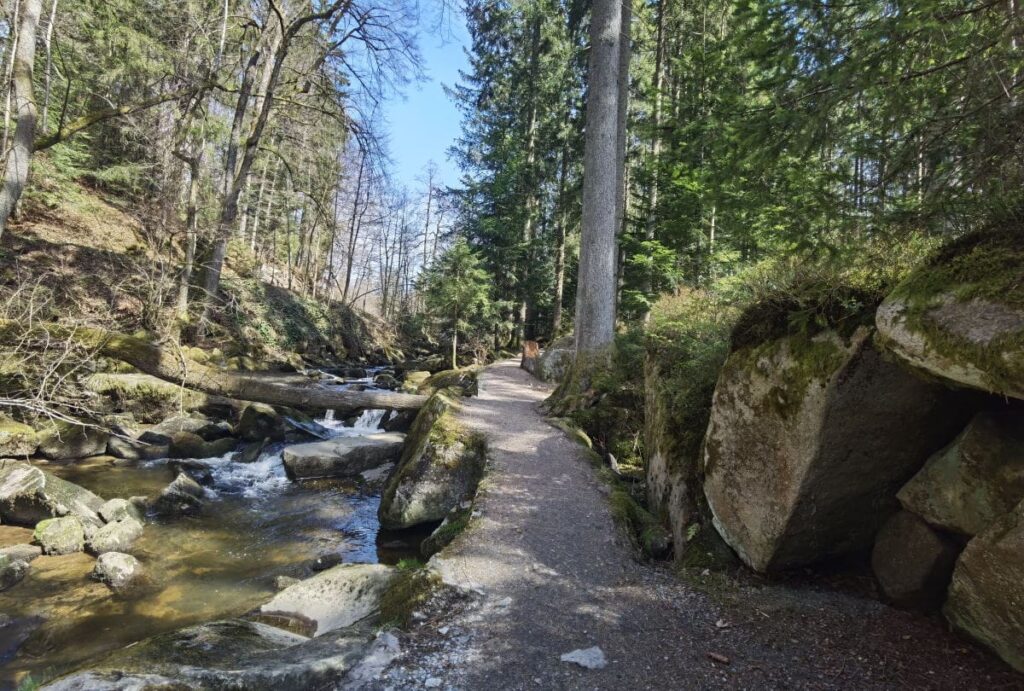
[[543, 571]]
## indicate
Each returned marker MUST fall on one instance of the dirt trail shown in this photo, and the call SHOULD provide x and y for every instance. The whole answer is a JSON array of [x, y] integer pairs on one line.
[[547, 572]]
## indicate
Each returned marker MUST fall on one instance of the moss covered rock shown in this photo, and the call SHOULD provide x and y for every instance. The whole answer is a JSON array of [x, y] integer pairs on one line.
[[462, 380], [17, 439], [60, 535], [961, 316], [808, 442], [260, 421], [976, 479], [986, 597], [440, 468], [64, 441]]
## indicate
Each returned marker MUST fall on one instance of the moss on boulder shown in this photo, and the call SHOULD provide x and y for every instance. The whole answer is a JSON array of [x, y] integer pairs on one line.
[[440, 467], [65, 441], [809, 439], [961, 315], [17, 439], [464, 381]]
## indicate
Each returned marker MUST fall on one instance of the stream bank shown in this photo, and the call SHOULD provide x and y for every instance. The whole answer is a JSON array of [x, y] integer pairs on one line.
[[258, 528]]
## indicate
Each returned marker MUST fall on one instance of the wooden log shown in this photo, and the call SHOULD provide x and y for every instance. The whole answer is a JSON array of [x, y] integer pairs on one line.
[[175, 367]]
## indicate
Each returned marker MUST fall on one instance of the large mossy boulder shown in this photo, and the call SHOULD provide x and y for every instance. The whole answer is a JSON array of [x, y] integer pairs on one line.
[[809, 440], [976, 479], [986, 597], [440, 468], [16, 439], [960, 317], [65, 441], [29, 495]]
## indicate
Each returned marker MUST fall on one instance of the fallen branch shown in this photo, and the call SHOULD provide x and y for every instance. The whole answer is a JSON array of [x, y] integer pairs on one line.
[[152, 360]]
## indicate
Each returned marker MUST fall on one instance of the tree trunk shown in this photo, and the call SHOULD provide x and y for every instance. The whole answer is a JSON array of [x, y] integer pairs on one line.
[[595, 293], [562, 230], [152, 360], [20, 155], [652, 198], [48, 48]]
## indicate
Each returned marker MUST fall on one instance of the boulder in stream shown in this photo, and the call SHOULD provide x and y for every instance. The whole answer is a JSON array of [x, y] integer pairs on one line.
[[135, 450], [118, 571], [440, 468], [60, 535], [16, 439], [810, 438], [21, 552], [260, 421], [65, 441], [227, 654], [116, 509], [332, 599], [28, 495], [189, 445], [182, 497], [117, 536], [344, 456], [12, 571], [976, 479]]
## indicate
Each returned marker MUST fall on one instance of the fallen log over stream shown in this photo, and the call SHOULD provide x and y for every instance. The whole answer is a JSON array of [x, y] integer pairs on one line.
[[178, 369]]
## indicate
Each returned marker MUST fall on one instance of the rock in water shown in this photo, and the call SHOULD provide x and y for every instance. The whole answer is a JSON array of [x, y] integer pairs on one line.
[[117, 571], [588, 658], [913, 562], [260, 421], [16, 439], [60, 535], [440, 468], [63, 441], [117, 536], [132, 450], [189, 445], [116, 509], [344, 456], [228, 654], [183, 496], [28, 495], [986, 595], [21, 552], [960, 316], [12, 571], [976, 479], [808, 442], [332, 599]]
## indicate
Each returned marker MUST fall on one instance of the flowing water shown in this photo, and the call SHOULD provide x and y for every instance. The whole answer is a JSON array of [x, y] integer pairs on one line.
[[257, 525]]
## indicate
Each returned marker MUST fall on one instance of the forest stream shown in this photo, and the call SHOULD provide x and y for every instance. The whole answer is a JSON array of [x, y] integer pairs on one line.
[[257, 526]]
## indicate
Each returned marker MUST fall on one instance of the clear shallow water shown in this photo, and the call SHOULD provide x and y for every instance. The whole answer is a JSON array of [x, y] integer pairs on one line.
[[257, 525]]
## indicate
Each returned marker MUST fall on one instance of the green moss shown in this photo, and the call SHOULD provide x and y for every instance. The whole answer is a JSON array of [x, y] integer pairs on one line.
[[988, 266], [454, 525], [464, 381], [409, 590]]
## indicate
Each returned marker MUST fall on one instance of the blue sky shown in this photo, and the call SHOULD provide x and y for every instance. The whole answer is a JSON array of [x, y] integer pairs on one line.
[[424, 123]]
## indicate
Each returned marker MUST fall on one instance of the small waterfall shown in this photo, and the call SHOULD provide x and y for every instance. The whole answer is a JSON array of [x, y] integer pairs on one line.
[[329, 415], [369, 419]]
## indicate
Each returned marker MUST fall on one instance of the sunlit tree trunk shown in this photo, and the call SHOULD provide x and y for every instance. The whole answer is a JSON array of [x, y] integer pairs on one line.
[[595, 293], [19, 156]]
